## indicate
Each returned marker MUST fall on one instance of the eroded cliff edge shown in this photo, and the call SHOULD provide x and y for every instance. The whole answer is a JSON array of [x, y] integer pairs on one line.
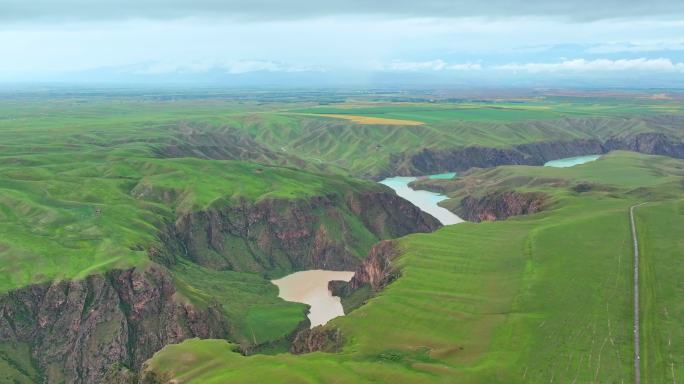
[[107, 325], [330, 232], [77, 330], [431, 161], [501, 205]]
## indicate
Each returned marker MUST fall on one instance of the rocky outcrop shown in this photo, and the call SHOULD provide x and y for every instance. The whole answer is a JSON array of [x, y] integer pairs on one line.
[[500, 205], [377, 270], [318, 232], [321, 338], [372, 275], [80, 331]]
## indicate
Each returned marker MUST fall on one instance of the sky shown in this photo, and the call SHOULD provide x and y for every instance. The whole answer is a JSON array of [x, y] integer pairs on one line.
[[498, 43]]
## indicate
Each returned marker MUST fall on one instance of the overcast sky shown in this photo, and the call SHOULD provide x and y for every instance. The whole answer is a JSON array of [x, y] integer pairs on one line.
[[496, 42]]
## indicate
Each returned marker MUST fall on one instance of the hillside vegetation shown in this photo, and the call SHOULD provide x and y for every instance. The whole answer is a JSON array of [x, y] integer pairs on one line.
[[522, 300], [137, 221]]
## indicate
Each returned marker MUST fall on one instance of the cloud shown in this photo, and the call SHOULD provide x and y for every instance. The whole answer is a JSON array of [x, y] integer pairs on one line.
[[598, 65], [19, 10], [465, 67], [232, 67], [646, 46], [432, 65]]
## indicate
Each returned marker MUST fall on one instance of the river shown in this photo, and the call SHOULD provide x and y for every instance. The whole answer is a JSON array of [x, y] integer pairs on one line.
[[311, 287], [571, 161], [425, 200]]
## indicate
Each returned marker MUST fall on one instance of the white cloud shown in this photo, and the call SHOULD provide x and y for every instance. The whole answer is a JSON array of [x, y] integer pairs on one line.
[[432, 65], [598, 65], [233, 67], [643, 46], [465, 67], [246, 66]]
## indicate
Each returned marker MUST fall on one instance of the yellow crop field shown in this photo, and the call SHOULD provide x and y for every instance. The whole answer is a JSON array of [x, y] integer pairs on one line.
[[368, 120]]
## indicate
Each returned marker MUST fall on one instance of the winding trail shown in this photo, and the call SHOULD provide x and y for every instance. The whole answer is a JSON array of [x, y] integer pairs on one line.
[[637, 357]]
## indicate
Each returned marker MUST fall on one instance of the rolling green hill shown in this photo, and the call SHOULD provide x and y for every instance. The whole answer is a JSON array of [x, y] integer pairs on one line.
[[521, 300], [201, 200]]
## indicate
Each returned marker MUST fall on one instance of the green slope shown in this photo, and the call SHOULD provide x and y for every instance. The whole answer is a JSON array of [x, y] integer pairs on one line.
[[660, 227], [523, 300], [86, 182]]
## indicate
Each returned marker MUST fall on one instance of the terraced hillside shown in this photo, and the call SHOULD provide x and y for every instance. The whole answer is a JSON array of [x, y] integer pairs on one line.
[[526, 299]]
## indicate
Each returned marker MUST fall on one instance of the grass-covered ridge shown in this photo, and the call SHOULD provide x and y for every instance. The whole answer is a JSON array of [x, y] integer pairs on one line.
[[613, 172], [71, 217], [87, 182], [521, 300]]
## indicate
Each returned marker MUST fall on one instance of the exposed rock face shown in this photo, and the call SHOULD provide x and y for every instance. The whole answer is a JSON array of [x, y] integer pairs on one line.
[[545, 151], [321, 338], [430, 161], [319, 232], [105, 326], [377, 270], [78, 330], [375, 273], [500, 205], [649, 143]]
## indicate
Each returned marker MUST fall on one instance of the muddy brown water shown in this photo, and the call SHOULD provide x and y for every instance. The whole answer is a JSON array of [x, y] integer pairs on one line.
[[311, 287]]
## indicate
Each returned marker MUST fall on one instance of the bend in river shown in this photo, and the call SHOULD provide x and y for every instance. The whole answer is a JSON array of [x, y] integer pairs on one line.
[[425, 200], [311, 287], [571, 161]]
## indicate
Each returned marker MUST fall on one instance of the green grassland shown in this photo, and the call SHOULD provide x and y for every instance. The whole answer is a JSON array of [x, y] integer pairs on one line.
[[62, 220], [133, 126], [366, 150], [83, 191], [530, 299], [502, 110], [662, 309], [86, 183], [610, 173]]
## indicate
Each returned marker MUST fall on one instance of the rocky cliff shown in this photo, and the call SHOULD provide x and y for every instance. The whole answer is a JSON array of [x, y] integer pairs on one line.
[[648, 143], [77, 331], [106, 326], [321, 338], [500, 205], [431, 161], [331, 232], [376, 270], [372, 275]]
